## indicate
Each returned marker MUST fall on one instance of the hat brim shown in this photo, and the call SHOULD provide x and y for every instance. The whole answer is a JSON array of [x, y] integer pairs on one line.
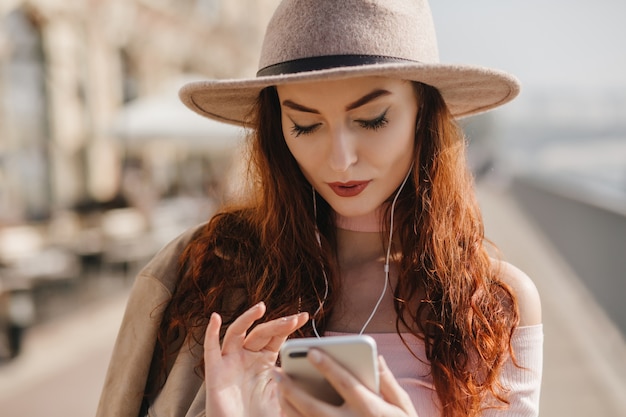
[[467, 90]]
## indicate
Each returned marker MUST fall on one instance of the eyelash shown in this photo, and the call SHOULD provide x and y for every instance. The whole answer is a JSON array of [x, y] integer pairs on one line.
[[303, 130], [378, 123], [375, 124]]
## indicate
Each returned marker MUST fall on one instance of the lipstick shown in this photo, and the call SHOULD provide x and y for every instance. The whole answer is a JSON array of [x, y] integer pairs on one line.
[[348, 189]]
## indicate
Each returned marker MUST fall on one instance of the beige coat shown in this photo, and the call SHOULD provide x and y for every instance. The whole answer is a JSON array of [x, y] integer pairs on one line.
[[183, 393]]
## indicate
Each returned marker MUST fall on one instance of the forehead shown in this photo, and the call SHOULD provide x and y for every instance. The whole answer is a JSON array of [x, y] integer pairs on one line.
[[344, 90]]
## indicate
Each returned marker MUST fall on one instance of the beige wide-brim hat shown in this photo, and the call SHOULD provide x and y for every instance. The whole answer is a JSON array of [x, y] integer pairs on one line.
[[317, 40]]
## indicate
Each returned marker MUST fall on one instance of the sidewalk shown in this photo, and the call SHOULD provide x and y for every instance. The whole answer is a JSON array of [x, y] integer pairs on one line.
[[584, 355], [62, 368]]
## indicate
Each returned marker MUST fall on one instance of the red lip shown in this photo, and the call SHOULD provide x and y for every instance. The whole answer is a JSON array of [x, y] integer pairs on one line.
[[348, 189]]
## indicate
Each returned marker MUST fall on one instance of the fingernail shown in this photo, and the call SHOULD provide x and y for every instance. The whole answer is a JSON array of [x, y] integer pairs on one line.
[[287, 318], [382, 365], [315, 356], [293, 316], [259, 304]]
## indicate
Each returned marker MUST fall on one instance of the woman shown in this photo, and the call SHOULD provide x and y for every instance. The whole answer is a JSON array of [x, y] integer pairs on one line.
[[360, 218]]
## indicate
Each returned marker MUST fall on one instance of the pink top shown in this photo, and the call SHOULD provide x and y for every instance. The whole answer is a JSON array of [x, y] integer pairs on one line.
[[414, 375]]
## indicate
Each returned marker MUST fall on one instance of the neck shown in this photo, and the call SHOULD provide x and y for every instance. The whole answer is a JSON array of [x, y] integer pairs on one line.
[[359, 238], [358, 248], [369, 223]]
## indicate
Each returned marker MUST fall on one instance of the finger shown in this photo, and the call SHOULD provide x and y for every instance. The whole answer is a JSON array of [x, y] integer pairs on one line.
[[271, 335], [295, 402], [287, 409], [236, 332], [390, 389], [346, 384], [212, 350]]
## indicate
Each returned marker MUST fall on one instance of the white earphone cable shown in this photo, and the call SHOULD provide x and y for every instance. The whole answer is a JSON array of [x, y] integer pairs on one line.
[[386, 266], [388, 255]]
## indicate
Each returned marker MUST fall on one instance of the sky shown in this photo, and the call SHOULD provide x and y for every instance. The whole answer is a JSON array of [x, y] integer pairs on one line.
[[560, 44], [570, 56]]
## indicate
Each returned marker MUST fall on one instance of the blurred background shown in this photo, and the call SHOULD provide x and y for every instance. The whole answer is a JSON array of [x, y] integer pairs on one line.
[[101, 165]]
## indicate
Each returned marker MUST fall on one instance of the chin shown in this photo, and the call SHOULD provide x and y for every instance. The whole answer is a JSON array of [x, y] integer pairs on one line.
[[356, 210]]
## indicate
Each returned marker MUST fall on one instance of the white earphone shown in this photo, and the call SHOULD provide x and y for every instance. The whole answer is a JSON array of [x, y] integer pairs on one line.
[[386, 266]]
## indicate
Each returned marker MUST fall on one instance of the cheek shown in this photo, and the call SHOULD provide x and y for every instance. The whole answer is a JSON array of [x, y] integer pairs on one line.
[[294, 147], [291, 143], [405, 137], [304, 150], [303, 156], [396, 147]]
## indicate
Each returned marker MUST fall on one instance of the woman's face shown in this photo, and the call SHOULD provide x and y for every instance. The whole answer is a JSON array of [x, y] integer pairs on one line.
[[353, 139]]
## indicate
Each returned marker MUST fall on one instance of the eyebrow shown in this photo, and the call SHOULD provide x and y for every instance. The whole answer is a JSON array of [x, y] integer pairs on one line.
[[358, 103]]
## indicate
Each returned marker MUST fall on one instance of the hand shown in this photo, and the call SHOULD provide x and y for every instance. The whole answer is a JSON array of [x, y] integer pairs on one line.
[[238, 374], [359, 400]]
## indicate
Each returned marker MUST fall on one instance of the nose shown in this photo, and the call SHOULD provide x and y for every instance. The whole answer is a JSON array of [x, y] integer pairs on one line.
[[342, 150]]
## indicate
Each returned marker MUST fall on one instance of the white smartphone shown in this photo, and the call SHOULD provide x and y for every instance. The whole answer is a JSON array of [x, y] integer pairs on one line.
[[357, 353]]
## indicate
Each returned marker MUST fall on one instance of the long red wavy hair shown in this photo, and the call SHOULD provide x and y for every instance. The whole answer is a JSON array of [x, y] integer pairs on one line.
[[265, 249]]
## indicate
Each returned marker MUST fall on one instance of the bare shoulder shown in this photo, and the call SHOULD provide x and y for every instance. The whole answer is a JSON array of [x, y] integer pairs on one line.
[[528, 300]]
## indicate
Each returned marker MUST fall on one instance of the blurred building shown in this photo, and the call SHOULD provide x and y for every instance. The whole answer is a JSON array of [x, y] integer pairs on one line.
[[68, 67], [100, 163]]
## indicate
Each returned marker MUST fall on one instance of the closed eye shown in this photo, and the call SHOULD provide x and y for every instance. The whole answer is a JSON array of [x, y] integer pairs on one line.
[[376, 123], [298, 130]]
